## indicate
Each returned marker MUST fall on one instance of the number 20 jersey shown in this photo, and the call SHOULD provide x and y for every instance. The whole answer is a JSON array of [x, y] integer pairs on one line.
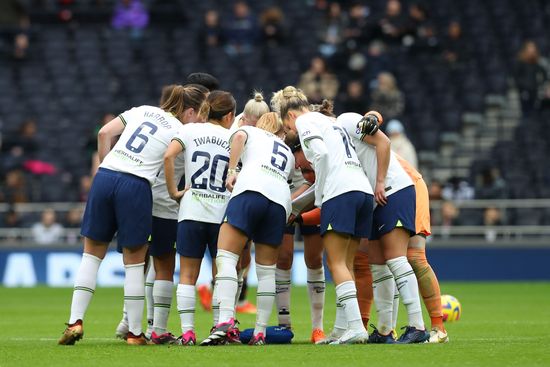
[[206, 155], [345, 171], [141, 147], [267, 162]]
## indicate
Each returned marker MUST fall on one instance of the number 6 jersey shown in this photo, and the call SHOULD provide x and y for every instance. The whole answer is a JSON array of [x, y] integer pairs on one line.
[[206, 155], [267, 162], [140, 149]]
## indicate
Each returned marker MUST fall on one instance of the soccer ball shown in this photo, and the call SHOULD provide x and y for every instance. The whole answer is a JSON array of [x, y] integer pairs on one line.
[[451, 308]]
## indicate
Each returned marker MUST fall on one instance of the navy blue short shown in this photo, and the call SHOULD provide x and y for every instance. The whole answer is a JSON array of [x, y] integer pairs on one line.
[[261, 219], [194, 237], [348, 213], [399, 212], [118, 203], [163, 236], [305, 230]]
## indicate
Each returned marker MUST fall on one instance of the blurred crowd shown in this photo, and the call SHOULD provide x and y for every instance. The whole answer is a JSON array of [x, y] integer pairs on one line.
[[350, 38]]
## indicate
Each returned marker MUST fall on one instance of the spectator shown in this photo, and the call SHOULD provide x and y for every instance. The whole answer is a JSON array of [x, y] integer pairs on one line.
[[449, 218], [394, 23], [12, 222], [421, 33], [354, 100], [317, 83], [14, 27], [455, 48], [210, 34], [273, 30], [241, 30], [331, 31], [85, 186], [91, 145], [15, 188], [386, 98], [47, 231], [458, 189], [531, 76], [435, 190], [491, 217], [73, 220], [21, 147], [358, 29], [490, 185], [400, 144], [132, 16]]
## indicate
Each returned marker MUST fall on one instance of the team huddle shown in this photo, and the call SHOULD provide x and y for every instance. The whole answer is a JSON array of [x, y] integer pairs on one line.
[[190, 175]]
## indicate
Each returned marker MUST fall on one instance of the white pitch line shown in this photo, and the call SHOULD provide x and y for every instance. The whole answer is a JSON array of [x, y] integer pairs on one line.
[[53, 339]]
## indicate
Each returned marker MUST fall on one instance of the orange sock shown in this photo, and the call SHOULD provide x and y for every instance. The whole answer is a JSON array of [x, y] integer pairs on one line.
[[428, 284], [312, 218], [363, 282]]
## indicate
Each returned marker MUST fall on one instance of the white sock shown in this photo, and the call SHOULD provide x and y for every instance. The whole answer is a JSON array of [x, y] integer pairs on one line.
[[134, 296], [395, 312], [408, 288], [346, 294], [149, 283], [186, 306], [162, 295], [226, 282], [124, 315], [316, 291], [215, 305], [383, 286], [84, 286], [282, 296], [240, 282], [265, 296], [340, 322]]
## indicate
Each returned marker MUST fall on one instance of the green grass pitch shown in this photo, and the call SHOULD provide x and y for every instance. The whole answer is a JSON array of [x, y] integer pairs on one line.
[[502, 324]]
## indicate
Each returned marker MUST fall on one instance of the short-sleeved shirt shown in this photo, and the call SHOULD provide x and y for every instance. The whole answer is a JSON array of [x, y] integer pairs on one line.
[[396, 177], [267, 162], [141, 147], [206, 156], [345, 170]]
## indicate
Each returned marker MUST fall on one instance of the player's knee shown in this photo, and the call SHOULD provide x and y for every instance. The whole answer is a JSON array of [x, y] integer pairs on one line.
[[285, 260]]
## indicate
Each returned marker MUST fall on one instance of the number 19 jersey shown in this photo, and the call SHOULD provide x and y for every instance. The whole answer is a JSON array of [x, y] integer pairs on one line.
[[206, 155], [267, 162], [140, 149]]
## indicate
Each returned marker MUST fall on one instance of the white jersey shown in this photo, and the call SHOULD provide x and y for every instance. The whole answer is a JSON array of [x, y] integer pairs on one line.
[[141, 147], [267, 162], [236, 122], [163, 205], [345, 173], [206, 152], [396, 178]]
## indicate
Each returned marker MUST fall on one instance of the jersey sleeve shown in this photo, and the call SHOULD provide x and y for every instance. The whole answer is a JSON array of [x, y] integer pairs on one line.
[[180, 136], [128, 116], [349, 122], [307, 129], [244, 129]]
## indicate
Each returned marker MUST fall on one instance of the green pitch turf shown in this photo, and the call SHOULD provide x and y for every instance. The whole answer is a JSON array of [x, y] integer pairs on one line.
[[503, 324]]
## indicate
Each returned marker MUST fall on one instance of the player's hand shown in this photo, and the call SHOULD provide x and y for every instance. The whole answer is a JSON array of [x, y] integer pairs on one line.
[[368, 125], [380, 194], [230, 182], [177, 195], [295, 219]]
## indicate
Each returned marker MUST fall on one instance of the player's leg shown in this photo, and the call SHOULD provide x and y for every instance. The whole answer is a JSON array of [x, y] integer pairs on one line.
[[363, 281], [242, 304], [84, 288], [283, 277], [383, 285], [150, 275], [189, 273], [266, 260], [428, 285], [313, 256], [162, 249], [134, 290], [394, 245]]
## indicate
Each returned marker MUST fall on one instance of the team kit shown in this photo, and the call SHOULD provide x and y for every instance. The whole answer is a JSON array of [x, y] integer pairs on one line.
[[190, 176]]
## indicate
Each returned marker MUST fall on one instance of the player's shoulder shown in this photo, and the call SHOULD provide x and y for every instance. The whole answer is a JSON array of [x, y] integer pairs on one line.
[[349, 120]]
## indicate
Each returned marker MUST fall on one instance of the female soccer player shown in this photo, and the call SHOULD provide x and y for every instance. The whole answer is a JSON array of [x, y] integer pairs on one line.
[[342, 191], [120, 201], [258, 210], [203, 203], [393, 225]]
